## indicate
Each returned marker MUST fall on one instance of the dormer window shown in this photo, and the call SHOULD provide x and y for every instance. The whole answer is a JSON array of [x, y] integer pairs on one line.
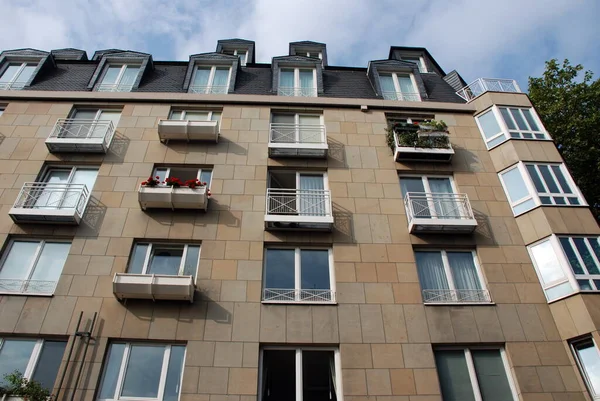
[[242, 55], [119, 78], [418, 61], [297, 82], [211, 80], [17, 75], [397, 86]]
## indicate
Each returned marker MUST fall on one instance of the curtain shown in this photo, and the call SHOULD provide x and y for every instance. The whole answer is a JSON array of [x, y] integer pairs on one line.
[[86, 176], [80, 129], [387, 87], [286, 79], [312, 198], [284, 130], [455, 381], [463, 271], [491, 375], [445, 206], [201, 76], [406, 85], [129, 76], [431, 275], [220, 80], [310, 129], [419, 203], [105, 115], [50, 198], [306, 79]]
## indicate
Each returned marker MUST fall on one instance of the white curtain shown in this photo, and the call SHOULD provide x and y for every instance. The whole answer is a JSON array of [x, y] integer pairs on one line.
[[201, 77], [431, 271], [310, 129], [51, 196], [387, 86], [306, 79], [463, 271], [406, 85], [86, 176], [311, 200], [445, 207], [284, 128], [419, 203], [129, 76], [286, 79], [80, 129], [220, 80]]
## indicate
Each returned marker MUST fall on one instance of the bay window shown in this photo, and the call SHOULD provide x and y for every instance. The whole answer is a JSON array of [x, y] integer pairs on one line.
[[398, 86], [588, 361], [297, 82], [210, 79], [501, 123]]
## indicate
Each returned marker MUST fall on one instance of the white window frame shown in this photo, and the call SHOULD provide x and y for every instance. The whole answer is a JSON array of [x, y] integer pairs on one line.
[[14, 80], [505, 132], [580, 366], [125, 362], [243, 61], [34, 261], [33, 358], [298, 370], [168, 172], [297, 78], [298, 274], [149, 254], [211, 77], [399, 94], [185, 111], [298, 125], [425, 180], [117, 83], [421, 64], [473, 374]]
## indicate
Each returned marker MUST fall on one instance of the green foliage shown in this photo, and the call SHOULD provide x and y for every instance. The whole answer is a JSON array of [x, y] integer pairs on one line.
[[569, 105], [434, 125], [19, 386], [408, 135]]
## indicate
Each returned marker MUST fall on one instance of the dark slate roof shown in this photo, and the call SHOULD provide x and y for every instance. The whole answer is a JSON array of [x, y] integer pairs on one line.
[[307, 43], [69, 54], [253, 81], [165, 77], [347, 83], [439, 90], [67, 76]]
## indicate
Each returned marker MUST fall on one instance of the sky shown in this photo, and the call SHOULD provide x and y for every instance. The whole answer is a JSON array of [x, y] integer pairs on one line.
[[478, 38]]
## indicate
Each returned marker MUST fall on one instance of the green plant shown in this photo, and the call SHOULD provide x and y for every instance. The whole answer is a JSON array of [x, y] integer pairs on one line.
[[18, 386], [433, 125], [408, 135]]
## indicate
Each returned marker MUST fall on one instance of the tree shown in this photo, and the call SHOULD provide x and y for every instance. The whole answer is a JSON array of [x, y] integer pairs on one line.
[[569, 106]]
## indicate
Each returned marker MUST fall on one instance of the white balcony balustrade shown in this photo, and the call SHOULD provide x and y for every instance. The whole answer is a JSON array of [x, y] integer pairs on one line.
[[445, 296], [297, 140], [287, 295], [79, 135], [188, 130], [439, 213], [171, 197], [210, 90], [432, 147], [402, 96], [482, 85], [6, 86], [114, 87], [308, 209], [153, 286], [28, 287], [296, 91]]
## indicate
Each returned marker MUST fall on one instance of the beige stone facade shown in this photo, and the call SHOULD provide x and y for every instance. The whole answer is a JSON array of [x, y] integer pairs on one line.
[[385, 333]]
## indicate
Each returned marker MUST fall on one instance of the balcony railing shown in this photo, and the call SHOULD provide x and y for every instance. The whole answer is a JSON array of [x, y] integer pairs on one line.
[[415, 147], [456, 296], [5, 86], [15, 286], [114, 87], [50, 202], [299, 208], [482, 85], [286, 295], [297, 140], [296, 91], [439, 212], [74, 134], [402, 96], [211, 90]]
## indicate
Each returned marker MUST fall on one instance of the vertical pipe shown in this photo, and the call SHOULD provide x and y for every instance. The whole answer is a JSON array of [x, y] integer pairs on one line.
[[64, 373], [87, 344]]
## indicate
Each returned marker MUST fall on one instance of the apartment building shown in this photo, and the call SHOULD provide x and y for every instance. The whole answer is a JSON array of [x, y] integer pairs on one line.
[[226, 230]]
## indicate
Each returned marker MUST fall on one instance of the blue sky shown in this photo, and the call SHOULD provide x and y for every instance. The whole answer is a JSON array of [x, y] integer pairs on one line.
[[479, 38]]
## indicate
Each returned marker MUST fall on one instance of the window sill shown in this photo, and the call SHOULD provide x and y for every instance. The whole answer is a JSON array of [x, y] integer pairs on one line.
[[298, 302], [26, 294], [459, 303]]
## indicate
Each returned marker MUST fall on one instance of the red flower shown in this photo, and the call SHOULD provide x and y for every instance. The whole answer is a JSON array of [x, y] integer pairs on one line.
[[144, 183]]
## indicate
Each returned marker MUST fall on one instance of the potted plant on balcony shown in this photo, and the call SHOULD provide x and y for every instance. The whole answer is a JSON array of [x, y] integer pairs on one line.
[[428, 134], [18, 388], [432, 128], [174, 194]]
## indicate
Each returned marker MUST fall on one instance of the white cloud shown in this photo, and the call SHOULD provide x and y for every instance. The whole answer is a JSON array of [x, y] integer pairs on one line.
[[509, 38]]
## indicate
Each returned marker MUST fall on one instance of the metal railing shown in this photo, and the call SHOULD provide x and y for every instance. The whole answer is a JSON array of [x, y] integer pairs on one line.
[[17, 286], [75, 128], [53, 196], [403, 96], [422, 205], [294, 295], [210, 89], [299, 202], [456, 296], [16, 85], [482, 85], [114, 87], [438, 141], [296, 133], [296, 91]]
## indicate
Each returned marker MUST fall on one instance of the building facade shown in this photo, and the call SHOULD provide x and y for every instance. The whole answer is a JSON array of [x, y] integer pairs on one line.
[[224, 230]]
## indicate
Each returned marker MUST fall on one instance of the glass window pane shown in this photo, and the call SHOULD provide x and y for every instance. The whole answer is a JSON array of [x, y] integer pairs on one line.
[[130, 75], [14, 355], [507, 118], [216, 116], [595, 244], [523, 207], [279, 375], [136, 264], [561, 179], [530, 120], [559, 291], [547, 262], [519, 119], [491, 375], [586, 255], [196, 115], [172, 384], [489, 125], [110, 376], [453, 373], [387, 83], [26, 73], [191, 260], [221, 78], [585, 285], [184, 174], [548, 179], [51, 262], [590, 363], [176, 115], [571, 256], [314, 269], [165, 260], [10, 72], [286, 78], [201, 76], [19, 259], [406, 85], [205, 176], [463, 271], [49, 363], [431, 271], [535, 177], [112, 73], [318, 376], [496, 141], [143, 371], [306, 79], [559, 200], [515, 185], [279, 269]]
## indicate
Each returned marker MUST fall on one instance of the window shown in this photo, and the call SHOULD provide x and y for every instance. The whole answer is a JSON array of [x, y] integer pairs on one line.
[[168, 259], [119, 78], [450, 276], [212, 80], [17, 75], [183, 173], [298, 193], [242, 55], [35, 359], [474, 374], [418, 61], [431, 197], [502, 123], [297, 82], [298, 275], [1, 110], [297, 128], [32, 267], [89, 123], [399, 87], [297, 374], [195, 115], [63, 188], [142, 371], [564, 264], [528, 185], [588, 361]]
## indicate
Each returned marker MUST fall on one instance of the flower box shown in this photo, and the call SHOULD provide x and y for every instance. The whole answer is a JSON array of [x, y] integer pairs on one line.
[[171, 197]]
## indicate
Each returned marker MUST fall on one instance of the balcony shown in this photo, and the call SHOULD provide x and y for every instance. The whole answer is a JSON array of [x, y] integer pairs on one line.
[[153, 286], [404, 97], [482, 85], [27, 287], [171, 197], [210, 90], [114, 88], [439, 213], [296, 91], [297, 140], [77, 135], [428, 147], [445, 296], [298, 209], [287, 295], [44, 202], [188, 130], [7, 86]]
